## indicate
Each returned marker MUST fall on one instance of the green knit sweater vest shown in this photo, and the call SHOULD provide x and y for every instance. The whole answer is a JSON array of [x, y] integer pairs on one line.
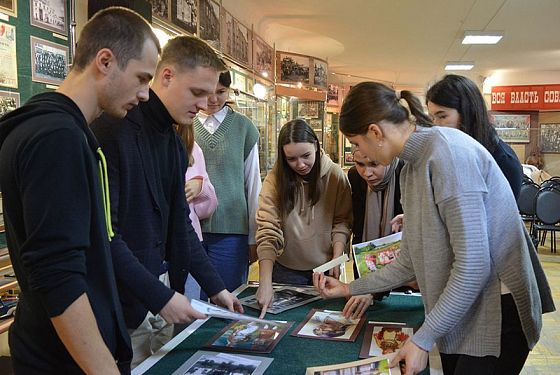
[[225, 153]]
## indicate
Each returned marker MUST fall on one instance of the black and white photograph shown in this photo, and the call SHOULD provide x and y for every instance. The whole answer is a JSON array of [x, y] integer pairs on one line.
[[49, 61], [550, 138], [332, 94], [185, 15], [9, 7], [320, 73], [285, 298], [512, 128], [50, 15], [236, 39], [8, 102], [263, 56], [209, 11], [205, 362], [294, 68], [308, 109], [160, 8]]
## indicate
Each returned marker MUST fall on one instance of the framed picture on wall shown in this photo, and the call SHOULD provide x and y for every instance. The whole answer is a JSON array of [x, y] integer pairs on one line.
[[160, 8], [512, 128], [308, 109], [8, 57], [184, 13], [263, 56], [50, 15], [9, 7], [332, 95], [8, 102], [209, 11], [549, 140], [320, 73], [293, 68], [49, 61]]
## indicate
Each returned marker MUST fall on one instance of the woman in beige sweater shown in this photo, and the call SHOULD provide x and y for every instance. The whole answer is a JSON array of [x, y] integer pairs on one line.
[[305, 212]]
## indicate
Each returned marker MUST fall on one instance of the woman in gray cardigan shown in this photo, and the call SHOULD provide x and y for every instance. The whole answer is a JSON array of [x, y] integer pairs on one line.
[[463, 241]]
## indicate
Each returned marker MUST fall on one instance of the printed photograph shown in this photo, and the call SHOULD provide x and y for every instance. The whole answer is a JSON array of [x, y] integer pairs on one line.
[[373, 255], [285, 298], [320, 75], [294, 68], [9, 7], [205, 362], [49, 61], [185, 15], [50, 15], [549, 138], [308, 109], [160, 8], [512, 128], [332, 95], [210, 22], [370, 366], [328, 325], [236, 39], [250, 336], [263, 56], [8, 102], [381, 339]]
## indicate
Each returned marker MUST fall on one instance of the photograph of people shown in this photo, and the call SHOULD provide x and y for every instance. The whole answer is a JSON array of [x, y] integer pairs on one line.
[[463, 240], [304, 215]]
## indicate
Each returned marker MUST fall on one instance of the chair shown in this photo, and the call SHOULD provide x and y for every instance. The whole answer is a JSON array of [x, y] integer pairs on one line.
[[526, 201], [547, 213], [552, 182]]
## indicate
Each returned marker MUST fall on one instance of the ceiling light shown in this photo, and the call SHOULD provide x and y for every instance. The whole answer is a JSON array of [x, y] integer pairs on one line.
[[459, 65], [482, 37]]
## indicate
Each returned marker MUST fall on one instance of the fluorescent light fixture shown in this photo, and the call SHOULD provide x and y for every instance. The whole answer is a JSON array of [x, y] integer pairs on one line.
[[482, 37], [459, 65]]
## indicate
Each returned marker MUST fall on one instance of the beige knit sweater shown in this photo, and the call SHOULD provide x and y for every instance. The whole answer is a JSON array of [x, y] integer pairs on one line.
[[302, 239]]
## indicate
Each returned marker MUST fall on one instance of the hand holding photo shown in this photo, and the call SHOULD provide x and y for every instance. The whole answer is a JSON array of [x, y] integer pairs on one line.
[[328, 325], [331, 264], [373, 255], [382, 338], [372, 366], [219, 312]]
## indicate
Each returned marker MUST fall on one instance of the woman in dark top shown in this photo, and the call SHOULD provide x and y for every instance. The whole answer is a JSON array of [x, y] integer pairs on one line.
[[456, 102]]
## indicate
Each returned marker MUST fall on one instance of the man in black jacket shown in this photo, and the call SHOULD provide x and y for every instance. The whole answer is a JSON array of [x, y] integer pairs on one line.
[[153, 233], [69, 319]]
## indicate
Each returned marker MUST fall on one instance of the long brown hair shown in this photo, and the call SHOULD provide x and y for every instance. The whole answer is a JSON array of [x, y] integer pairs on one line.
[[372, 102], [186, 132], [289, 183]]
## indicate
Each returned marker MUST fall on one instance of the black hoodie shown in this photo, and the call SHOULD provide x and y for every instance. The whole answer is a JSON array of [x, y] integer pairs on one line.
[[56, 232]]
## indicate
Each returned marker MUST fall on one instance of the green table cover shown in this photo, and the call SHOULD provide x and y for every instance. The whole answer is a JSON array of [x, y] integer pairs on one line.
[[293, 355]]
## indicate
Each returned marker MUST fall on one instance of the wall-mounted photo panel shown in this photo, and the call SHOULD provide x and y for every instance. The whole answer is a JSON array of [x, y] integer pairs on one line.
[[293, 68], [9, 7], [263, 57], [49, 61], [160, 8], [8, 102], [50, 15], [8, 57], [184, 13], [332, 95], [237, 39], [549, 138], [512, 128], [209, 11], [320, 74]]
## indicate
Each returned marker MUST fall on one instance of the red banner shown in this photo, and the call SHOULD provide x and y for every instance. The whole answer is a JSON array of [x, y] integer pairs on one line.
[[525, 98]]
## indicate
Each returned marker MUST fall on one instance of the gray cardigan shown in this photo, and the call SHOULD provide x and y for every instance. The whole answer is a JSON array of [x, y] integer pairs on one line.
[[463, 235]]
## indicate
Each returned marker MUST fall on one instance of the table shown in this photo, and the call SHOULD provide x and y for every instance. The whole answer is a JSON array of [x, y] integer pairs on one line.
[[292, 355]]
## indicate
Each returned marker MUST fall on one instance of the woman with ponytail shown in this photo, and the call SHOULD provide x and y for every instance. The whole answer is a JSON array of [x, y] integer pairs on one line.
[[463, 240]]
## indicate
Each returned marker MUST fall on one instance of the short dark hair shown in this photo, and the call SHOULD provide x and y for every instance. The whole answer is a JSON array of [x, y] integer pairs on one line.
[[119, 29], [372, 102], [225, 79], [296, 131], [462, 94], [189, 52]]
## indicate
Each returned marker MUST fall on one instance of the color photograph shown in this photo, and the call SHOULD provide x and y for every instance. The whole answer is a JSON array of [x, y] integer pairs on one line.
[[8, 58], [373, 255], [381, 339], [328, 325], [285, 298], [512, 128], [250, 336], [49, 61], [50, 15], [370, 366], [205, 362]]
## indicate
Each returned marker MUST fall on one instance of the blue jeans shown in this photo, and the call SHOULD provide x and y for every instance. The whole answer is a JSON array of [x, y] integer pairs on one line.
[[229, 253], [285, 275]]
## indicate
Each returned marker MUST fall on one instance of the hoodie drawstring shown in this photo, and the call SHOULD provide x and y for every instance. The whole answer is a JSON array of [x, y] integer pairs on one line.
[[104, 179]]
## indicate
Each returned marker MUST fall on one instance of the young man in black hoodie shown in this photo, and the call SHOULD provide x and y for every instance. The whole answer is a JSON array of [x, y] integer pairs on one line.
[[153, 233], [69, 319]]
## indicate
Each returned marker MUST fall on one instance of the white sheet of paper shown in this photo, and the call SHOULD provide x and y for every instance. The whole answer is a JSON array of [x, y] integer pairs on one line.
[[219, 312], [331, 264]]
